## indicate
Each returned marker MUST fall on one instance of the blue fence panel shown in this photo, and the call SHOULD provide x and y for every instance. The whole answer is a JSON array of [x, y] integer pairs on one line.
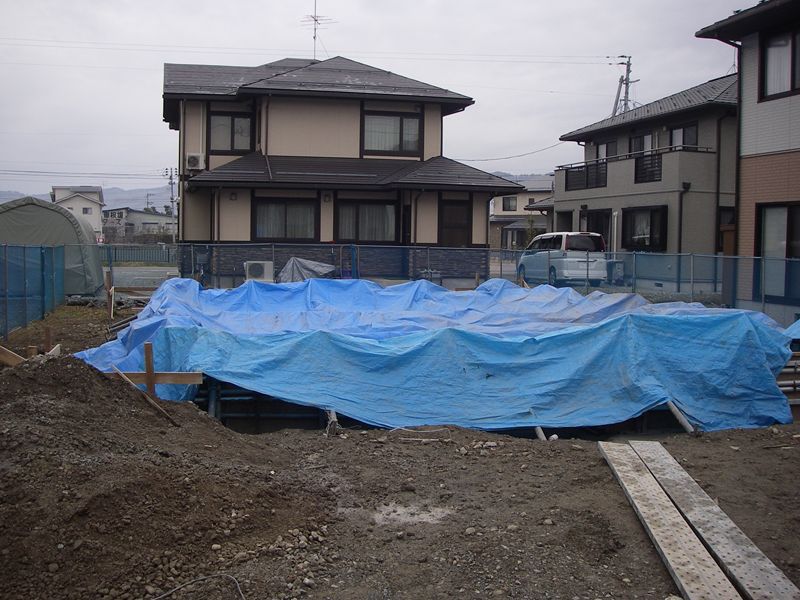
[[58, 275], [15, 293], [48, 278], [3, 290]]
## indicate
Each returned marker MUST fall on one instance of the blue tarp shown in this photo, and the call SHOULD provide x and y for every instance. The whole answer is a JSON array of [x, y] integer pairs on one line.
[[496, 358]]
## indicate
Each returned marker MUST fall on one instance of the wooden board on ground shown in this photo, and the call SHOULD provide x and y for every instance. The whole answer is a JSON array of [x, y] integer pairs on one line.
[[9, 358], [754, 574], [691, 566], [164, 377]]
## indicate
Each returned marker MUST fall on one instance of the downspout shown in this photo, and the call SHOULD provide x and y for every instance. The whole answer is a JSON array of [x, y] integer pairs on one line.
[[415, 210]]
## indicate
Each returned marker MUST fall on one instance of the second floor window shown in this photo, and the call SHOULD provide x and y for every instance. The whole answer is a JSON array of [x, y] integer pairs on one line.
[[641, 143], [607, 149], [684, 136], [780, 63], [391, 134], [230, 133], [509, 203], [87, 210]]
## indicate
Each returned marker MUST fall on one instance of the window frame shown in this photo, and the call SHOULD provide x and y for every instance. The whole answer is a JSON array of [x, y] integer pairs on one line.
[[232, 115], [683, 127], [86, 210], [794, 62], [664, 229], [641, 135], [441, 227], [787, 298], [357, 202], [418, 115], [605, 146], [509, 198], [258, 200]]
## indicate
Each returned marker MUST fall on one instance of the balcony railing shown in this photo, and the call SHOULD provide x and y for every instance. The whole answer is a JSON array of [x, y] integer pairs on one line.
[[590, 175], [594, 173]]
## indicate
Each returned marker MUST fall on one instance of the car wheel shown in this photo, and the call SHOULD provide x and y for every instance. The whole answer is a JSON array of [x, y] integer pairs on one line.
[[521, 273], [551, 277]]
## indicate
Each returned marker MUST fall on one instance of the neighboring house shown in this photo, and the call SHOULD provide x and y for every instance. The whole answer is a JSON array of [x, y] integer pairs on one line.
[[84, 201], [511, 225], [310, 152], [657, 178], [123, 224], [767, 37]]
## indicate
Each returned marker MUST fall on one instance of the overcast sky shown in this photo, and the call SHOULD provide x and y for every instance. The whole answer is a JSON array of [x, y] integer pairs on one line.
[[82, 80]]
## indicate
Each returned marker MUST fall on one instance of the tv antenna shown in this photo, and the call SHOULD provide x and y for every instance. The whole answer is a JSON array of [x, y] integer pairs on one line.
[[316, 22]]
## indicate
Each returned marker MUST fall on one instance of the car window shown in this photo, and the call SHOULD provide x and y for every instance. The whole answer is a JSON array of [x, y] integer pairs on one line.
[[546, 242], [592, 243], [555, 242]]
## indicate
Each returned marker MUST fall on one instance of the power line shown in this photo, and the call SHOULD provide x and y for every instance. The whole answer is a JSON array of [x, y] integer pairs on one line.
[[509, 157]]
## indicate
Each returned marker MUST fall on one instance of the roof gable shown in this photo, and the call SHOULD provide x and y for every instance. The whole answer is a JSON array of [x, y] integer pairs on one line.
[[716, 92], [78, 194]]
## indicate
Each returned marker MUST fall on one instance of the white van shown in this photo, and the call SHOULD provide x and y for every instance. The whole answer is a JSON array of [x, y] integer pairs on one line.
[[564, 256]]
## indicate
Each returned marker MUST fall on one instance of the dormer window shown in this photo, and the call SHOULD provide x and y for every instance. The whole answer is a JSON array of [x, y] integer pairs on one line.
[[391, 134], [230, 133]]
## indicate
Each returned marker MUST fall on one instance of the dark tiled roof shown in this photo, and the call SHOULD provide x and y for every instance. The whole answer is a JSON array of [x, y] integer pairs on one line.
[[336, 76], [255, 169], [721, 91], [764, 15]]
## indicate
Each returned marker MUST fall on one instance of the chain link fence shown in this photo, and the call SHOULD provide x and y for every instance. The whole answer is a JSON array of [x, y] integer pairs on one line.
[[31, 284]]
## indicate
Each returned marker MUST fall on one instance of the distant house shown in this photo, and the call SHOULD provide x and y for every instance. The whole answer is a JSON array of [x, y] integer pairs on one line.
[[767, 37], [126, 223], [84, 201], [319, 152], [511, 224], [657, 178]]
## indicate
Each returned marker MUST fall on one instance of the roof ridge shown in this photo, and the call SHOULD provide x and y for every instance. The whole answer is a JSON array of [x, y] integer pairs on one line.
[[290, 70]]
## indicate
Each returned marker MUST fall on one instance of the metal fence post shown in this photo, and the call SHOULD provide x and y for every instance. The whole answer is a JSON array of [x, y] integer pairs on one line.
[[691, 277], [5, 283], [586, 285], [25, 286], [763, 281], [633, 280], [429, 258]]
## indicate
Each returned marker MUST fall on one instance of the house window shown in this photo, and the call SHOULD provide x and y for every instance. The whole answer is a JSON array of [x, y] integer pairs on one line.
[[780, 64], [367, 221], [509, 203], [230, 133], [644, 228], [388, 134], [641, 143], [780, 239], [607, 149], [684, 137], [285, 220], [87, 210], [455, 223]]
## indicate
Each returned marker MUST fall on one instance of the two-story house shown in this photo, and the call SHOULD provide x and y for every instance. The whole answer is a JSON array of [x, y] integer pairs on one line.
[[126, 223], [511, 224], [657, 178], [767, 37], [84, 201], [321, 152]]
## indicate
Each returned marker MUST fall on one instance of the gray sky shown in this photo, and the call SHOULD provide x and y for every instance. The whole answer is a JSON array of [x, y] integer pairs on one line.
[[82, 80]]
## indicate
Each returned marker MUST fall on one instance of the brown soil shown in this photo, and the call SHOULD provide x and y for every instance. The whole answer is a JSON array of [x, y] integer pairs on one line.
[[101, 498], [74, 327]]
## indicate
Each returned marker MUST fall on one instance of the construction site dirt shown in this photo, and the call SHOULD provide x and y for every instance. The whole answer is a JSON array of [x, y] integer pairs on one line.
[[101, 497]]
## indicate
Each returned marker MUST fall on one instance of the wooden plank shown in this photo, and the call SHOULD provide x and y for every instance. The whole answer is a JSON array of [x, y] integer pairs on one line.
[[149, 379], [679, 416], [749, 568], [164, 377], [48, 339], [148, 399], [55, 350], [695, 573], [32, 351], [9, 358]]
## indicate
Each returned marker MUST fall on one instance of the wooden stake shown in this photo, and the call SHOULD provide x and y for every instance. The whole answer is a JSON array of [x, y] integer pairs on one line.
[[149, 400], [9, 358], [687, 427], [150, 376], [540, 434], [32, 351], [48, 339], [333, 422]]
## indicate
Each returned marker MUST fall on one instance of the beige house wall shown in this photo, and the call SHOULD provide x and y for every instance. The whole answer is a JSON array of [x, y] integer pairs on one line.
[[432, 137], [480, 218], [310, 127], [197, 215], [193, 131], [234, 215], [76, 204], [426, 217]]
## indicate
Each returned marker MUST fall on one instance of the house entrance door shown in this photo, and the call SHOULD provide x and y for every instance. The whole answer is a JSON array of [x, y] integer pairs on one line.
[[455, 223]]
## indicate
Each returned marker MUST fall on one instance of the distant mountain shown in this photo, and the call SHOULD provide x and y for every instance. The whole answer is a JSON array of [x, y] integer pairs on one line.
[[114, 197], [521, 176]]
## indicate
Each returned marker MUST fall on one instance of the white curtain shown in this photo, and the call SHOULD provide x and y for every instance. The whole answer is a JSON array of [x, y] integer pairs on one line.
[[221, 133], [778, 64], [376, 222], [270, 220], [300, 221], [347, 222], [641, 228], [382, 133]]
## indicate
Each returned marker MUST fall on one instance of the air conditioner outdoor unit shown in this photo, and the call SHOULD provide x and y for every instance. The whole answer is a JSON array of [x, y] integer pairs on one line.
[[196, 161], [259, 270]]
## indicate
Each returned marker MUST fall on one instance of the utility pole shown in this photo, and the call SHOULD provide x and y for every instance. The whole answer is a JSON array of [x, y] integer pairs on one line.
[[147, 200], [171, 172], [624, 82]]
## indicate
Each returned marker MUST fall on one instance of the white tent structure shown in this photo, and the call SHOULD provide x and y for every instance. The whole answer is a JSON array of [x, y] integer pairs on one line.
[[30, 221]]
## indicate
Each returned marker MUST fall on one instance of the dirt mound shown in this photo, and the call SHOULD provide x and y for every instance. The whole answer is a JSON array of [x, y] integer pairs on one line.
[[101, 496]]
